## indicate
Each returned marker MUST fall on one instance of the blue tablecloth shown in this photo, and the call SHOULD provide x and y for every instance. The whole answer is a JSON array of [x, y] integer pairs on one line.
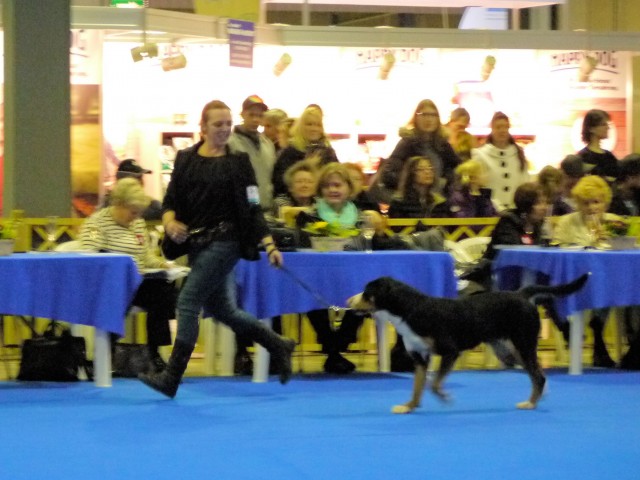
[[266, 291], [82, 288], [613, 281]]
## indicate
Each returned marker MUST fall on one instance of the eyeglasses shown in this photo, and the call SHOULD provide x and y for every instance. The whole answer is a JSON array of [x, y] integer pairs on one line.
[[427, 114], [221, 124]]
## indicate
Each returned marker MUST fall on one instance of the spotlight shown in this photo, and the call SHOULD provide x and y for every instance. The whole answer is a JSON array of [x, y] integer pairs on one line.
[[147, 50], [174, 62], [487, 67], [388, 61], [281, 65], [587, 66]]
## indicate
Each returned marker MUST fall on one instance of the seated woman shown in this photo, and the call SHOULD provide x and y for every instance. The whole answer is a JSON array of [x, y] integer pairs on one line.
[[301, 180], [551, 179], [119, 228], [416, 197], [521, 225], [470, 198], [334, 206], [308, 142], [586, 227]]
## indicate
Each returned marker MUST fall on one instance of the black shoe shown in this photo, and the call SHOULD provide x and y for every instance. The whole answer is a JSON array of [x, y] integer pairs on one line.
[[336, 363], [603, 360], [629, 363], [281, 360], [243, 364], [168, 381]]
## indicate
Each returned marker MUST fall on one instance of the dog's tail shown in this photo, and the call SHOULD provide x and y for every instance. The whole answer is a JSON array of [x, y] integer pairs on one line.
[[555, 290]]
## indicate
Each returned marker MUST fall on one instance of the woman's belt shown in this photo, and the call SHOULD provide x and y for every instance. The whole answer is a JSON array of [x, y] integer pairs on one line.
[[201, 237]]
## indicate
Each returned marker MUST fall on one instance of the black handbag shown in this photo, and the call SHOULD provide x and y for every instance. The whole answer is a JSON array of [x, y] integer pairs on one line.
[[54, 356], [172, 250], [130, 359]]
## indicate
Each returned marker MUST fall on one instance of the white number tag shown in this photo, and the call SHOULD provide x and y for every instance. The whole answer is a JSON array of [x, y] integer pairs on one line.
[[253, 196]]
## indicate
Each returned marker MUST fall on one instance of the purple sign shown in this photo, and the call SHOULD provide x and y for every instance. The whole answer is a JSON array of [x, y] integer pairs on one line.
[[241, 35]]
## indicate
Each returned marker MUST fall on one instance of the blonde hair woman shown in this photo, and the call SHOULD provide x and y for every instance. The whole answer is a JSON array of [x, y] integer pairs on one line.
[[586, 227], [471, 198], [308, 142], [334, 206], [119, 228]]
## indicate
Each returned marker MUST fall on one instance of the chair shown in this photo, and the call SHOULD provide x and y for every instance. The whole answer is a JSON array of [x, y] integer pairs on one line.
[[473, 247], [70, 246], [468, 251]]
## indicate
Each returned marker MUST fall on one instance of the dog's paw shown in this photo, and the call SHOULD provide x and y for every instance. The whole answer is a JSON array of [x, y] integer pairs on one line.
[[401, 409], [526, 405], [442, 396]]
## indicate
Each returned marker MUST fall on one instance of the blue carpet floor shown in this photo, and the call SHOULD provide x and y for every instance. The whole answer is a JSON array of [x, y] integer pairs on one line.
[[323, 427]]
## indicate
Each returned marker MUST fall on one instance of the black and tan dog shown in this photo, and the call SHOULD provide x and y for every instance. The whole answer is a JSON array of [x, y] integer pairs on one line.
[[447, 327]]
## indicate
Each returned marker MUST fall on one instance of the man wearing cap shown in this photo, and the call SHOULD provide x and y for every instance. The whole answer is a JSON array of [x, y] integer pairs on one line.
[[129, 168], [262, 154], [246, 138]]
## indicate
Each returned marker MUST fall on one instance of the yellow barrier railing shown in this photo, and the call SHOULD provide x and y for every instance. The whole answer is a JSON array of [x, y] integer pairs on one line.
[[32, 234]]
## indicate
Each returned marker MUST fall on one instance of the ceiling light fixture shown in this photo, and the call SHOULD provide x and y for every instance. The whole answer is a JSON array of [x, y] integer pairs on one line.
[[147, 50]]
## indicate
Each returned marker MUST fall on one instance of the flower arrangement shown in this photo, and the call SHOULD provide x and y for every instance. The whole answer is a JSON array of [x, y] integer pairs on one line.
[[326, 229], [7, 231], [617, 228]]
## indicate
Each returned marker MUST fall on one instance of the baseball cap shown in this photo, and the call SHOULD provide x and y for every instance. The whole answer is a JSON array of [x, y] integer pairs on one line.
[[130, 168], [254, 100]]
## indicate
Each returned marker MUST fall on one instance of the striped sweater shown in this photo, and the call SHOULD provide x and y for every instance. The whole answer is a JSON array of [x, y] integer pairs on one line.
[[101, 232]]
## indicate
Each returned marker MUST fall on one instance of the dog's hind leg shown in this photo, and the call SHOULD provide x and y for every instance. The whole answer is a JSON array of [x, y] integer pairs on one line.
[[538, 380], [446, 364]]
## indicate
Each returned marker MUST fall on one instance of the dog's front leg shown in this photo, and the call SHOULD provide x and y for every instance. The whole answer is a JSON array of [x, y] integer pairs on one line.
[[446, 364], [419, 381]]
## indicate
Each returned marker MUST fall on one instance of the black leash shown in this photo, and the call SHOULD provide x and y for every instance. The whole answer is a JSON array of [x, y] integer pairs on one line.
[[319, 298]]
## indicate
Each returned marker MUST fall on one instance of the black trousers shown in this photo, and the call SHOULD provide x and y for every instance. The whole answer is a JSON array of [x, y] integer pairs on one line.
[[158, 298], [335, 341]]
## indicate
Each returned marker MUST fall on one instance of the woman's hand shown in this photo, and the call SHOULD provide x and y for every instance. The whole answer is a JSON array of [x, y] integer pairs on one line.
[[273, 254], [275, 258], [177, 231]]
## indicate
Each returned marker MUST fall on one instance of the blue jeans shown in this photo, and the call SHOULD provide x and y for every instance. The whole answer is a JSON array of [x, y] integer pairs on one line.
[[211, 287]]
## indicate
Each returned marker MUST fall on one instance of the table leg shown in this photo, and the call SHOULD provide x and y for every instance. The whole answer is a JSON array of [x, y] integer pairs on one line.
[[384, 358], [227, 350], [209, 346], [262, 357], [102, 359], [576, 335]]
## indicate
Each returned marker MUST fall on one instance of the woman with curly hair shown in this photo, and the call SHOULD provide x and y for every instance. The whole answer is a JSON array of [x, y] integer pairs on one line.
[[586, 227]]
